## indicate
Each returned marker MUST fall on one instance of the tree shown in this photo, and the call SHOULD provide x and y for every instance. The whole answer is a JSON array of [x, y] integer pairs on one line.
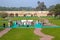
[[41, 6], [56, 10], [51, 7], [38, 2], [3, 14]]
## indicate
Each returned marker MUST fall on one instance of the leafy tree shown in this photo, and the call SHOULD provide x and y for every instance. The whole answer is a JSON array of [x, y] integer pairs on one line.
[[3, 14], [51, 7], [41, 6], [56, 10]]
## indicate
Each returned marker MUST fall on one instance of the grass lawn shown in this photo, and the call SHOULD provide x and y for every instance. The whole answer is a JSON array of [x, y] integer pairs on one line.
[[24, 18], [20, 34], [2, 20], [53, 32], [1, 23], [1, 29], [54, 21]]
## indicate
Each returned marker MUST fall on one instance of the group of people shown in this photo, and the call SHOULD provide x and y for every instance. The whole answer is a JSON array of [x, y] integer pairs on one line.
[[21, 23], [25, 23]]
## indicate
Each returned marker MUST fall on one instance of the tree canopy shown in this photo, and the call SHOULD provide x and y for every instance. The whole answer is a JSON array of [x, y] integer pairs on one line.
[[3, 14], [41, 6], [56, 9]]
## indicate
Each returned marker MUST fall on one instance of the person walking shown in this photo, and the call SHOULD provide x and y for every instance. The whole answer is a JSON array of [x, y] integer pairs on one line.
[[4, 25]]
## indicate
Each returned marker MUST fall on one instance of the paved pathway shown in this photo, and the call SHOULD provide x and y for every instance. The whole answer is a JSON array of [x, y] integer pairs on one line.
[[43, 36], [4, 31]]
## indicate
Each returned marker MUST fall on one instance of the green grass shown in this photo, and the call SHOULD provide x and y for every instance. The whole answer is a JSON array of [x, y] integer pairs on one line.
[[20, 34], [1, 23], [2, 19], [1, 29], [54, 21], [53, 32], [24, 18]]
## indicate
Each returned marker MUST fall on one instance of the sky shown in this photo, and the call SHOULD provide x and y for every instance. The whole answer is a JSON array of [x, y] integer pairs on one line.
[[27, 3]]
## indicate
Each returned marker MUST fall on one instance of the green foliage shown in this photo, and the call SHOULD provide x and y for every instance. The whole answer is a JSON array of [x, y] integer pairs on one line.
[[56, 10], [3, 14], [51, 7], [41, 6], [16, 8]]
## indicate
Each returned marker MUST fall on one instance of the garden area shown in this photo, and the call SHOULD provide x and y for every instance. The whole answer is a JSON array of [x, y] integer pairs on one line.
[[20, 34], [42, 26], [53, 32], [27, 33]]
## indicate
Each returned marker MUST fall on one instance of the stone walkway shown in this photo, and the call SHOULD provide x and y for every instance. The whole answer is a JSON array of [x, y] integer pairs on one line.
[[4, 31], [43, 36]]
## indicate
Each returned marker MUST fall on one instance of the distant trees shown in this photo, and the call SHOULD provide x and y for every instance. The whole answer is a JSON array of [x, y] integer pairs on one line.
[[8, 8], [16, 8], [41, 6]]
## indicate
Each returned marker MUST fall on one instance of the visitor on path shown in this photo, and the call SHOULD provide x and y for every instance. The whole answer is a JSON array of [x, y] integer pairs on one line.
[[4, 25], [8, 24], [14, 24], [11, 23], [18, 23], [32, 23], [38, 24], [24, 23], [28, 23]]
